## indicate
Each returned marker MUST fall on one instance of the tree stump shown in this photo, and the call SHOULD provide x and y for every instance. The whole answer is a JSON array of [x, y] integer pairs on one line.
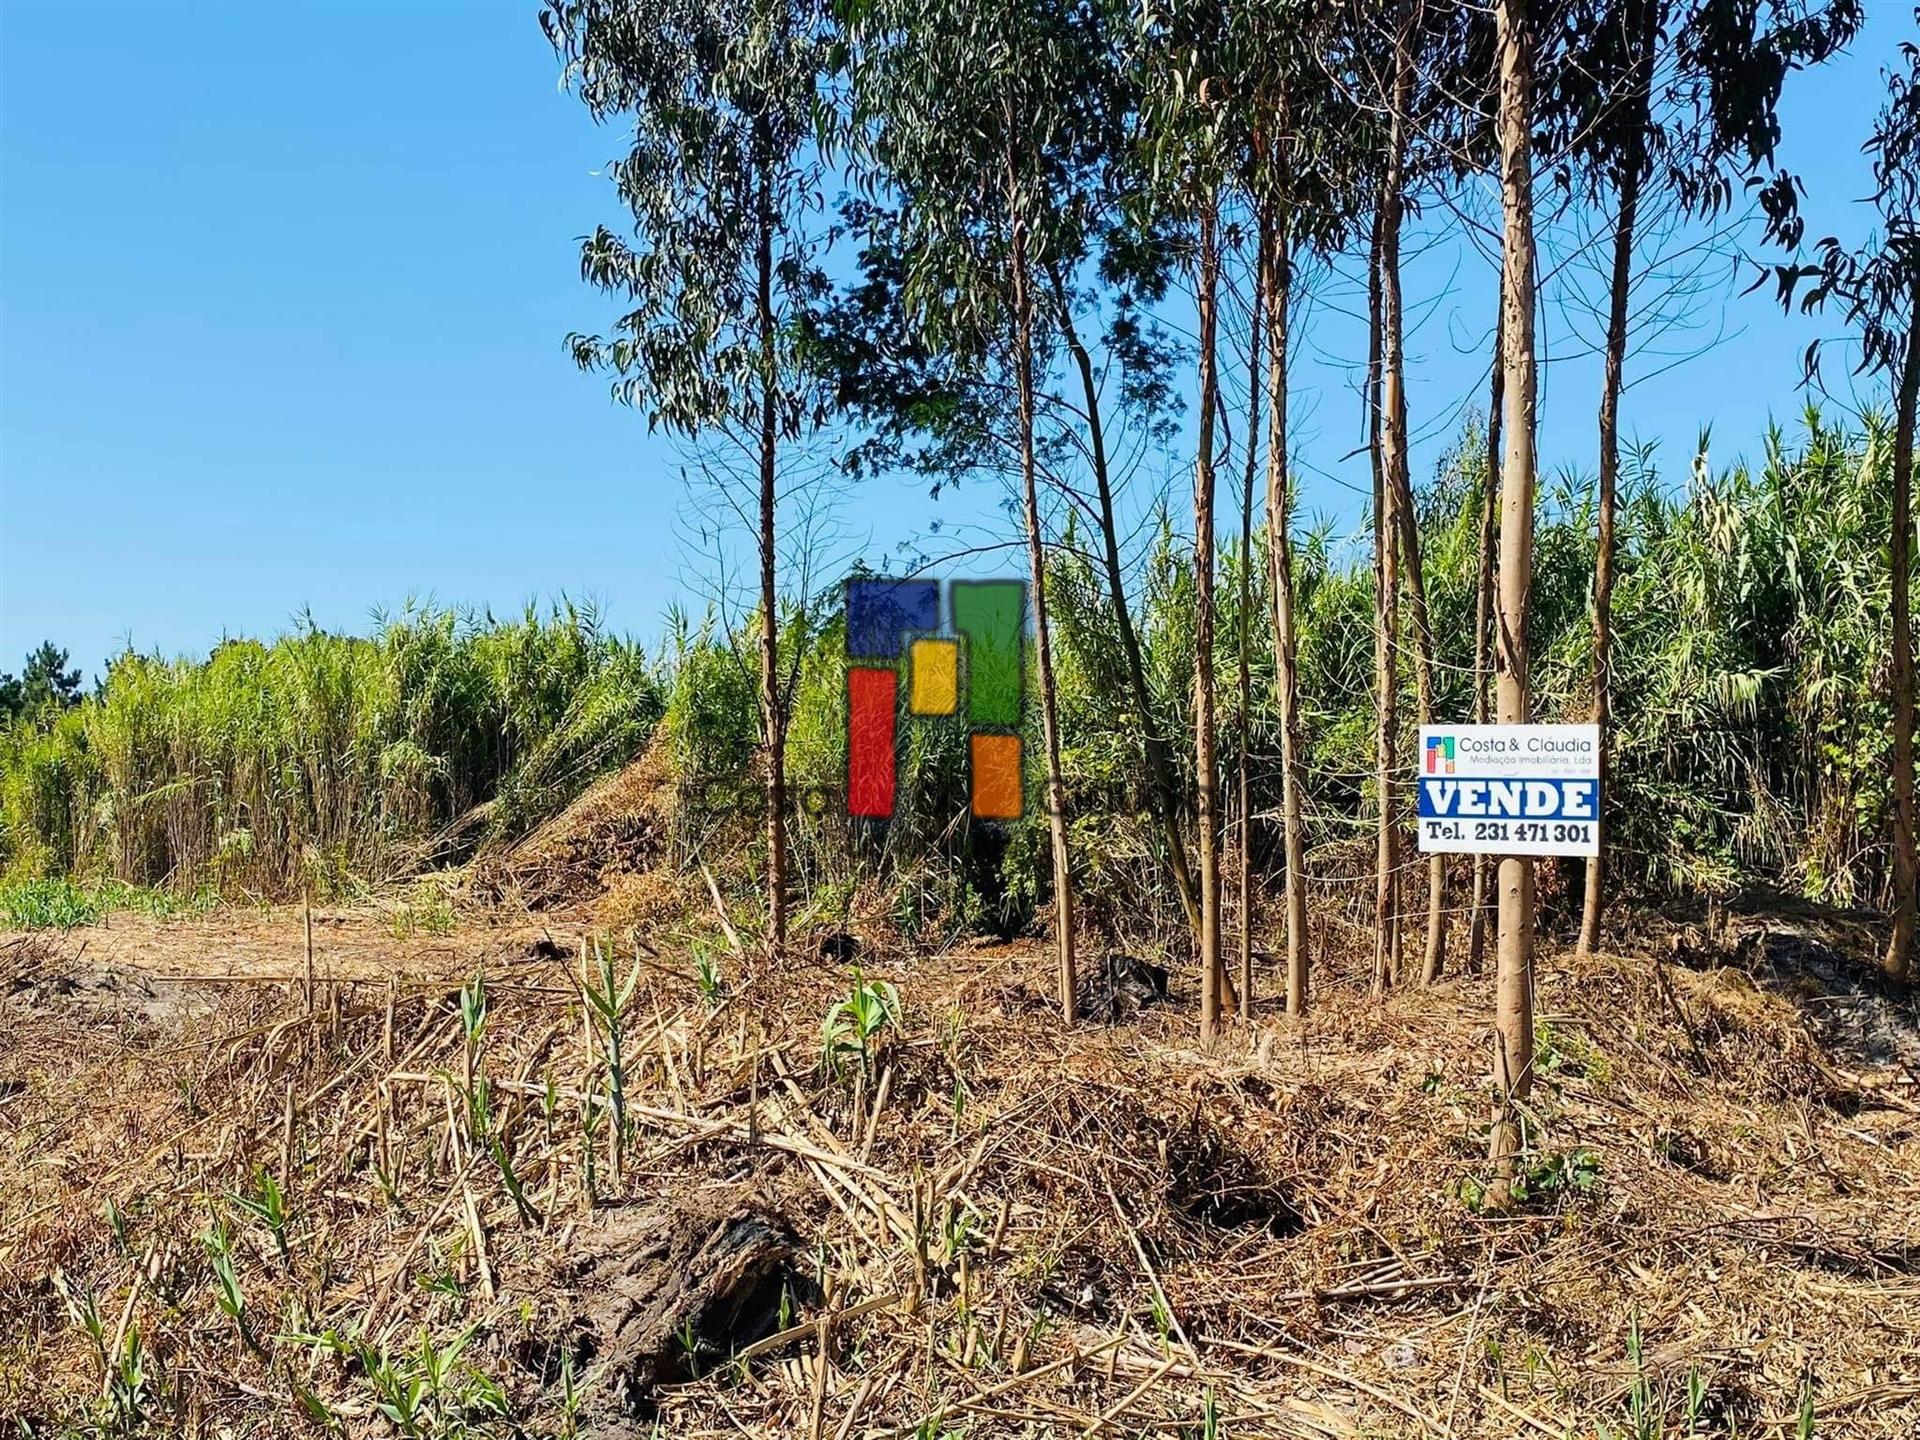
[[666, 1291]]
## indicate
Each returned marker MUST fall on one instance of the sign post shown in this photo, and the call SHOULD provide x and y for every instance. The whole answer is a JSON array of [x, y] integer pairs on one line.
[[1510, 789]]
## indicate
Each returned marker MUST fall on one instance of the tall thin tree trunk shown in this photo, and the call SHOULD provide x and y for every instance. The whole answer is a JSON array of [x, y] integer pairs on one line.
[[1286, 669], [1482, 615], [1153, 744], [1212, 977], [1899, 962], [1513, 1019], [1063, 932], [1255, 351], [773, 700], [1395, 453], [1632, 167], [1386, 622]]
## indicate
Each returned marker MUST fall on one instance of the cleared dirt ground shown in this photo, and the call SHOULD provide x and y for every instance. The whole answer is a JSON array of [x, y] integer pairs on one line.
[[990, 1228]]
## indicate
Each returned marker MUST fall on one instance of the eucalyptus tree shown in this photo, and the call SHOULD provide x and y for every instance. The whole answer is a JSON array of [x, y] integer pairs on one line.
[[1611, 115], [1423, 61], [1513, 1002], [1680, 96], [1304, 160], [1243, 796], [1489, 504], [1186, 154], [721, 176], [1145, 392], [971, 118], [1396, 523], [1386, 616], [932, 405], [1272, 178], [1257, 55], [1272, 131], [1875, 286], [1131, 264]]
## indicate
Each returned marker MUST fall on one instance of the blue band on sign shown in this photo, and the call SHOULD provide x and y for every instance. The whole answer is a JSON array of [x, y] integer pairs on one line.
[[1476, 799]]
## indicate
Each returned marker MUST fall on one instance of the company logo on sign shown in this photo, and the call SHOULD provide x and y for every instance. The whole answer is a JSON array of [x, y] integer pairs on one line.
[[1440, 755], [891, 621]]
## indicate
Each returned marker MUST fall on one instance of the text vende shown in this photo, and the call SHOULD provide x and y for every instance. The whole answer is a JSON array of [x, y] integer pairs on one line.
[[1520, 799]]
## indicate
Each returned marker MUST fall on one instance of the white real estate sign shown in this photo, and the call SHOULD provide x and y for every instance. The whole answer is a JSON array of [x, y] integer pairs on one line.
[[1510, 789]]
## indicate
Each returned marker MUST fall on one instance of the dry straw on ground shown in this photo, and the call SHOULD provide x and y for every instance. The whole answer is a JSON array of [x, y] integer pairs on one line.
[[1000, 1229]]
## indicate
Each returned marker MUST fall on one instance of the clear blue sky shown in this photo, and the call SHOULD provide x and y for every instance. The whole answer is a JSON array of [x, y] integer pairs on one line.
[[282, 295]]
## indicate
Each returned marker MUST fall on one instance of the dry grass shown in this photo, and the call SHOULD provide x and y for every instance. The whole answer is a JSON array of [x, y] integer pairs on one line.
[[1020, 1231], [605, 848]]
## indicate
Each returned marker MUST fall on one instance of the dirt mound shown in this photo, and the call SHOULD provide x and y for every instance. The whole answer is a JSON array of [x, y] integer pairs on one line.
[[607, 842]]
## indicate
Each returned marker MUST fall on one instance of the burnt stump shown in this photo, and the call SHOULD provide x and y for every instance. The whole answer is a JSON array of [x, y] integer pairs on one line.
[[668, 1290]]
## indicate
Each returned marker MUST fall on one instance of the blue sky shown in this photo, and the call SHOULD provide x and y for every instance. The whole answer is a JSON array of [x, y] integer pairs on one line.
[[282, 297]]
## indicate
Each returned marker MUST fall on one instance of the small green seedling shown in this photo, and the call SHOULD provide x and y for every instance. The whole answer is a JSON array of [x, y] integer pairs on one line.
[[854, 1023], [268, 1205]]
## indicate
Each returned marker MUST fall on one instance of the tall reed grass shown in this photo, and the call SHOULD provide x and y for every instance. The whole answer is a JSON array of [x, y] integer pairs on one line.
[[1751, 618], [1752, 737], [324, 760]]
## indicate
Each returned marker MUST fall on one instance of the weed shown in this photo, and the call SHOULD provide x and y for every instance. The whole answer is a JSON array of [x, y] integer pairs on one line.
[[1546, 1177], [268, 1205], [1162, 1320], [853, 1023], [427, 910], [1648, 1401], [126, 1389], [228, 1295], [86, 1314], [706, 974], [1577, 1172], [117, 1223], [956, 1234], [61, 904], [589, 1131], [388, 1190], [1561, 1053], [127, 1392], [430, 1390], [1803, 1419], [511, 1180], [573, 1394], [473, 1024], [473, 1010], [444, 1278], [608, 999]]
